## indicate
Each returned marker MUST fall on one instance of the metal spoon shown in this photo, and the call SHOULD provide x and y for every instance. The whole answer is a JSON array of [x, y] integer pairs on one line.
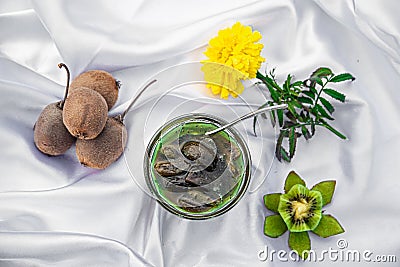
[[247, 116]]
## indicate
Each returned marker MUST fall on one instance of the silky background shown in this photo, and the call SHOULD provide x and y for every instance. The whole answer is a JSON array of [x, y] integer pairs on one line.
[[55, 212]]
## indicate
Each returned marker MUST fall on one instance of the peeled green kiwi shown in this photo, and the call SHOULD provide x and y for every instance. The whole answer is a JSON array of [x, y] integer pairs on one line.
[[85, 113], [301, 208], [49, 133], [108, 146], [100, 81]]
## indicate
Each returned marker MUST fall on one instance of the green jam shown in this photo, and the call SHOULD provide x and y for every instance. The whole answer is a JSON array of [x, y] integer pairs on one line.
[[194, 173]]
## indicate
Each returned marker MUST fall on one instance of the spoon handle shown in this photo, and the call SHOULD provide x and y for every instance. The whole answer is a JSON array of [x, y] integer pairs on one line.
[[246, 116]]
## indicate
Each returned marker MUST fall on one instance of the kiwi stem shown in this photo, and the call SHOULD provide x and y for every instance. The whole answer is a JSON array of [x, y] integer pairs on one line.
[[118, 84], [61, 65], [121, 117]]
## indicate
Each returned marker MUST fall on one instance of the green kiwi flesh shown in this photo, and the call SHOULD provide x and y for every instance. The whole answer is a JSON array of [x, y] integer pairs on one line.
[[301, 208]]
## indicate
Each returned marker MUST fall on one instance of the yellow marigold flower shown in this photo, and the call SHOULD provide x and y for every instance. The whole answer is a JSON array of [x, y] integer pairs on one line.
[[233, 55]]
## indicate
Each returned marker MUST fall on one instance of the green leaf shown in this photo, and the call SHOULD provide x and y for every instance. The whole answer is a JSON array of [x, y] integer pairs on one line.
[[278, 151], [318, 80], [274, 226], [271, 82], [286, 85], [279, 112], [305, 100], [292, 119], [342, 77], [327, 105], [335, 94], [288, 124], [312, 128], [292, 179], [292, 142], [292, 109], [323, 113], [305, 132], [271, 201], [322, 72], [273, 118], [297, 84], [309, 93], [326, 188], [333, 130], [285, 155], [328, 226], [273, 93], [313, 90], [297, 104], [300, 242], [262, 115], [273, 88], [303, 115], [260, 76]]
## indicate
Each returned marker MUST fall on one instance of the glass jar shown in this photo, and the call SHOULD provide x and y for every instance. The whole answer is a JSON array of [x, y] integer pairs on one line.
[[193, 175]]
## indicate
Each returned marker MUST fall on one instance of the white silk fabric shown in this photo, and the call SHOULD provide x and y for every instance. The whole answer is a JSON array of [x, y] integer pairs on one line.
[[55, 212]]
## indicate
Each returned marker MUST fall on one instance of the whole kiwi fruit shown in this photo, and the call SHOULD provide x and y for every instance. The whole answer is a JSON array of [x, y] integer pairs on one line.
[[85, 113], [100, 81], [107, 147], [49, 133]]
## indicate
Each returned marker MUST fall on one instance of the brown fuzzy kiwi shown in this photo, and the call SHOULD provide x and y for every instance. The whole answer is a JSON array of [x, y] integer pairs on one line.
[[106, 148], [49, 133], [100, 81], [85, 113]]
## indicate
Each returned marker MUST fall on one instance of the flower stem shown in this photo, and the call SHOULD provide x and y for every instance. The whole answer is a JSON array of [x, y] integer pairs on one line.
[[319, 93]]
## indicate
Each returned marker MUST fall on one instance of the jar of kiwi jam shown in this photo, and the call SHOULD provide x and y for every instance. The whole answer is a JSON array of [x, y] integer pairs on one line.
[[193, 175]]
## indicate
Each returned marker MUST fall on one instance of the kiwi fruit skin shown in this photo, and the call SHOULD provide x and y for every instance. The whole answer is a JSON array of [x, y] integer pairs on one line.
[[101, 152], [100, 81], [85, 113], [50, 135]]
